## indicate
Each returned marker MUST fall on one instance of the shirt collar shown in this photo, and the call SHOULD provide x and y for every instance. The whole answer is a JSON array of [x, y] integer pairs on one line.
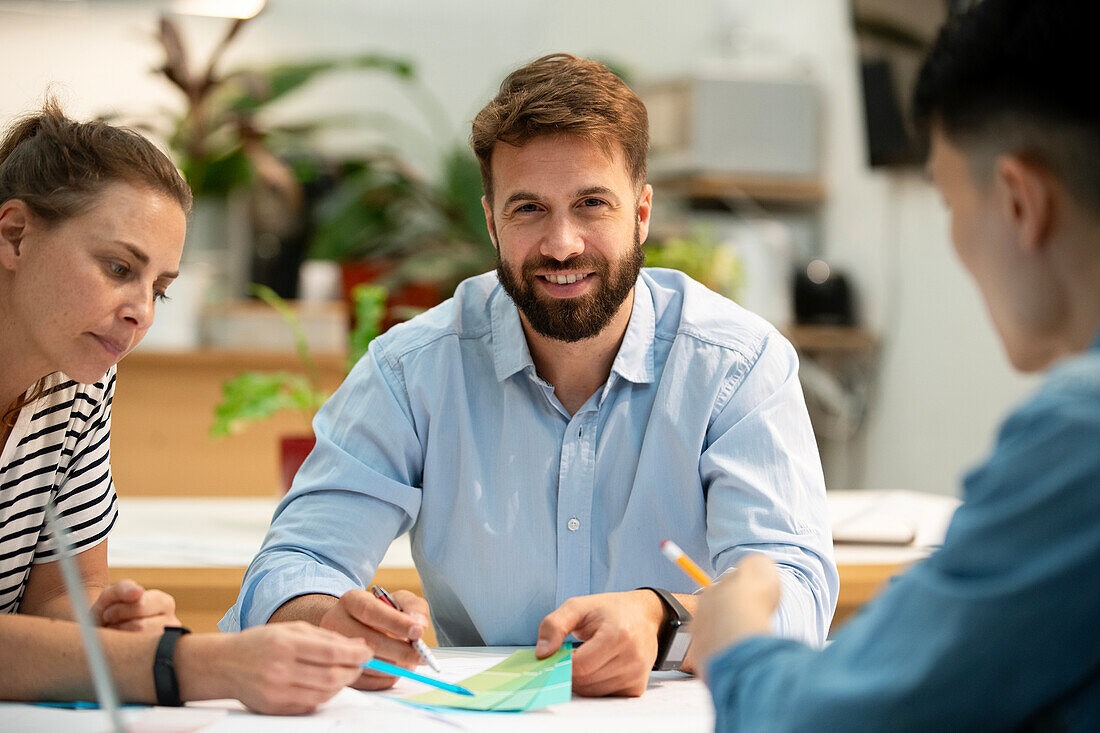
[[634, 362], [510, 352]]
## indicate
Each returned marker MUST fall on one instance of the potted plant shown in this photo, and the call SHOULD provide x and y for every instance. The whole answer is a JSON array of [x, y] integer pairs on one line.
[[225, 143], [252, 396], [386, 224]]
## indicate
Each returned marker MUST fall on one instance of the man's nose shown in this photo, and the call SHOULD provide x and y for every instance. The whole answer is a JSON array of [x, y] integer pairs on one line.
[[563, 240]]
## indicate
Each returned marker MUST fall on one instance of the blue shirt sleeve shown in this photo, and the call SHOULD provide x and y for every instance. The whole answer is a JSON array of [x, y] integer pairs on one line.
[[990, 630], [766, 492], [354, 494]]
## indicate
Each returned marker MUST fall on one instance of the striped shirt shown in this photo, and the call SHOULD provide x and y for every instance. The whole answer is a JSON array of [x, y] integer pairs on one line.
[[60, 446]]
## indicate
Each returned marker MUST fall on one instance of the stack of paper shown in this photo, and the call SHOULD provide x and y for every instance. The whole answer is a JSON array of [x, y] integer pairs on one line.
[[520, 682]]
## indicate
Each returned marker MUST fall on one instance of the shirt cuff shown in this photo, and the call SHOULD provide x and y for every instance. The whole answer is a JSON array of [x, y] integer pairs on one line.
[[797, 616], [270, 590]]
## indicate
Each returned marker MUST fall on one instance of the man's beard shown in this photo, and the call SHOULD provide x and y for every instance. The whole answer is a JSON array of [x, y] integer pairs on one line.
[[582, 317]]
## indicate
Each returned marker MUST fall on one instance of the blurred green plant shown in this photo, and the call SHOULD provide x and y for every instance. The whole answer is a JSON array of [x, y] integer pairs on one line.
[[701, 257], [219, 140], [252, 396], [382, 210]]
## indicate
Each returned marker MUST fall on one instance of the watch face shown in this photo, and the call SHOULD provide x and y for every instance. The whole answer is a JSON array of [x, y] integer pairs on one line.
[[679, 647]]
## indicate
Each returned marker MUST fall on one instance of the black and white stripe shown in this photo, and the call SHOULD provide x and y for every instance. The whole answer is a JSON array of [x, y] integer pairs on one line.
[[60, 445]]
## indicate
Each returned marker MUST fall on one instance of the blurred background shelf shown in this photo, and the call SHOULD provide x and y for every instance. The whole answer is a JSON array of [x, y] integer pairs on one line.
[[764, 189], [831, 339]]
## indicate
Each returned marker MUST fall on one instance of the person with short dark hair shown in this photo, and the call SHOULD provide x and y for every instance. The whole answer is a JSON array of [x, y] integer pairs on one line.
[[92, 221], [540, 434], [996, 630]]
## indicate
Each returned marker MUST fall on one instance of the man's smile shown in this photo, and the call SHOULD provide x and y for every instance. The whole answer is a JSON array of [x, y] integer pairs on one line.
[[563, 279]]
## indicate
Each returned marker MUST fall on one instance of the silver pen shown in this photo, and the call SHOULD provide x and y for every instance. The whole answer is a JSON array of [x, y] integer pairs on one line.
[[421, 648]]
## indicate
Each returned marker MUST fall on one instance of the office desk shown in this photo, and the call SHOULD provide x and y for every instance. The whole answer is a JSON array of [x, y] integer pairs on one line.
[[673, 702], [198, 549]]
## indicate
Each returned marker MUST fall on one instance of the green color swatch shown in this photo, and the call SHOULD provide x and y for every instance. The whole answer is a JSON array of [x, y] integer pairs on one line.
[[520, 682]]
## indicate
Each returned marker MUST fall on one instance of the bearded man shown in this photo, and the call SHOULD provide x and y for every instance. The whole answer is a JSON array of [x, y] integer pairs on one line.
[[539, 434]]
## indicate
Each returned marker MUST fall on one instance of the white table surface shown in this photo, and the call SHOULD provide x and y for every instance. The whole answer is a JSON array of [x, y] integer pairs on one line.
[[673, 702]]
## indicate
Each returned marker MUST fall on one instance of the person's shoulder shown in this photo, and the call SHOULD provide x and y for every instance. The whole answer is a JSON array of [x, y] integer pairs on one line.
[[686, 308], [1045, 459], [1075, 378], [465, 315], [1057, 428], [1070, 392]]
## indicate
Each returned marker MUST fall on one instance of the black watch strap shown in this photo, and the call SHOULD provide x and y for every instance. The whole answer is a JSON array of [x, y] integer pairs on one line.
[[676, 618], [164, 667]]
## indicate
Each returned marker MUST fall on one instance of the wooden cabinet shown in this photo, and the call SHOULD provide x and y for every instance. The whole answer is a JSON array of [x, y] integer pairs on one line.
[[161, 416]]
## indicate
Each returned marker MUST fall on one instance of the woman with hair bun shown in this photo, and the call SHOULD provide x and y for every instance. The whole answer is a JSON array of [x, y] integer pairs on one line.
[[92, 223]]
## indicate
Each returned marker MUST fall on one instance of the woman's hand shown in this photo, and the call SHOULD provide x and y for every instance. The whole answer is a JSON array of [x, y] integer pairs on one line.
[[740, 605], [282, 668], [127, 606]]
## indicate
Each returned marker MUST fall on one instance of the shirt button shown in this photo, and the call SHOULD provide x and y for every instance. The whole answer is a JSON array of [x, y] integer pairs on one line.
[[573, 524]]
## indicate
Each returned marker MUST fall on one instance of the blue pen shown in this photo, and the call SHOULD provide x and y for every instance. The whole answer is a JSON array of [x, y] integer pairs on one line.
[[387, 668]]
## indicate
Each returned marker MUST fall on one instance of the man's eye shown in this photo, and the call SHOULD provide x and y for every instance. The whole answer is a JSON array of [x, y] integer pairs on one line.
[[526, 209], [118, 269], [592, 203]]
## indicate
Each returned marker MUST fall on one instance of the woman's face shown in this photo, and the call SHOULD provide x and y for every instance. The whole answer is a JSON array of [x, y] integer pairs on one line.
[[84, 290]]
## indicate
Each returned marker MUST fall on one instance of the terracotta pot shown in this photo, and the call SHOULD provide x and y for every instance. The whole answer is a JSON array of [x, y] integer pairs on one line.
[[293, 450], [416, 294]]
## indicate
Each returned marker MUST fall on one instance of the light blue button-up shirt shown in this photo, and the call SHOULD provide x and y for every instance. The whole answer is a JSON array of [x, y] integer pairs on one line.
[[445, 430]]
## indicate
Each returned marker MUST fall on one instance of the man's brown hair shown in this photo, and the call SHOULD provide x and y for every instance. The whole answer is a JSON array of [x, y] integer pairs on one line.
[[561, 94]]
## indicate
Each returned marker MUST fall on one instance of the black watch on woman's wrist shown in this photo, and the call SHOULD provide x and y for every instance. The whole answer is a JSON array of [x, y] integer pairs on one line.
[[164, 667], [673, 638]]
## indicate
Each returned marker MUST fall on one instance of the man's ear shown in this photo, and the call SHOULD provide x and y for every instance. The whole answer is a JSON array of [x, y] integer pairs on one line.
[[1027, 199], [488, 208], [14, 218], [645, 210]]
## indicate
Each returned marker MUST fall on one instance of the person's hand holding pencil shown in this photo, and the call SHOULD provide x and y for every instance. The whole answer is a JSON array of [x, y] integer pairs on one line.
[[390, 632]]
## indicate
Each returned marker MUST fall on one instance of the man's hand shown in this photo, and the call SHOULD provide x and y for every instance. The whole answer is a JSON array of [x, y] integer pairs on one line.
[[282, 668], [127, 606], [740, 605], [386, 630], [619, 631]]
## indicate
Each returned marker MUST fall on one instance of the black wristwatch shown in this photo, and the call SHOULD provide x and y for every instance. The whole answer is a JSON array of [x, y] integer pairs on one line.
[[164, 667], [674, 638]]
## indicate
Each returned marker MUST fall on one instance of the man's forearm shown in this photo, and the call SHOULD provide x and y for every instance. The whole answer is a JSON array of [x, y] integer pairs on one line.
[[311, 608]]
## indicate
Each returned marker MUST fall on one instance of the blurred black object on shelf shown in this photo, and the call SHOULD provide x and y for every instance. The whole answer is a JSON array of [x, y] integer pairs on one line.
[[822, 296]]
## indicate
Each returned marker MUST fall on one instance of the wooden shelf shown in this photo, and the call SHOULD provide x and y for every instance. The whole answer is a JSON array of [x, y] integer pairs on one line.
[[834, 339], [777, 189]]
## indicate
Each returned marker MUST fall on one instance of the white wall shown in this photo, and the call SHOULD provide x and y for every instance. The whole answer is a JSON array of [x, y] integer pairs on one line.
[[943, 382]]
